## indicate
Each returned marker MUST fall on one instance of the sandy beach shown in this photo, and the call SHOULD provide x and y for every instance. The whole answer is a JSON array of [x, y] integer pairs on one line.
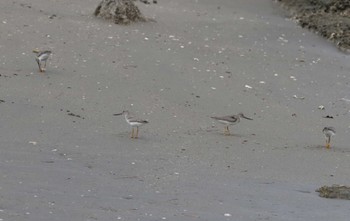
[[64, 156]]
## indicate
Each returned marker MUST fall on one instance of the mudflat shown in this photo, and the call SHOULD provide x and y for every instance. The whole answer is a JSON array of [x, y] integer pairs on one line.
[[64, 156]]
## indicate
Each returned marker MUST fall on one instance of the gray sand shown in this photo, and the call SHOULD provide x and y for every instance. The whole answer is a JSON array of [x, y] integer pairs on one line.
[[198, 60]]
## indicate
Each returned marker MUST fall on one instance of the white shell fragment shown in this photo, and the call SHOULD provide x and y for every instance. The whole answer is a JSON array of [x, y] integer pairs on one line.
[[296, 97]]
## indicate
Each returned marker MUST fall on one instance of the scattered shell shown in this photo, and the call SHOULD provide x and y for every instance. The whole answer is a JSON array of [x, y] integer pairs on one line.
[[321, 107], [283, 39], [293, 78], [345, 99], [296, 97], [247, 86]]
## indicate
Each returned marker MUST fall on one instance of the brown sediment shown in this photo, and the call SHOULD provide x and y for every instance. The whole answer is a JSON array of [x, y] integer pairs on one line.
[[329, 18], [334, 192]]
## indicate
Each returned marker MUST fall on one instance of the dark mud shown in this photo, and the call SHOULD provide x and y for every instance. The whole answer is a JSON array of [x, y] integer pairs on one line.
[[334, 192], [329, 18]]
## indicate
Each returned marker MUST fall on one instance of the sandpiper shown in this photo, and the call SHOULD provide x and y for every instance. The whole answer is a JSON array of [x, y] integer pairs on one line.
[[133, 122], [328, 133], [230, 120], [42, 56]]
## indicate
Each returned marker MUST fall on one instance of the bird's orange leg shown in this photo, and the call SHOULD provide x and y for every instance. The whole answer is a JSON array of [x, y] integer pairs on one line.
[[328, 143], [227, 131], [44, 69], [137, 132], [132, 132], [39, 66]]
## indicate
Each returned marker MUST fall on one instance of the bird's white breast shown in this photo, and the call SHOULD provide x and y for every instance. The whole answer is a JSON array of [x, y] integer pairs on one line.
[[43, 57]]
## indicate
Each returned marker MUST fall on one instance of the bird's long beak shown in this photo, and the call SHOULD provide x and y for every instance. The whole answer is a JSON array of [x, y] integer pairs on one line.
[[246, 117], [117, 114]]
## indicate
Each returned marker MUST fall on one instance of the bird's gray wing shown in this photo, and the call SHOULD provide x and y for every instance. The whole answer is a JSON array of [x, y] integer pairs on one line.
[[231, 119]]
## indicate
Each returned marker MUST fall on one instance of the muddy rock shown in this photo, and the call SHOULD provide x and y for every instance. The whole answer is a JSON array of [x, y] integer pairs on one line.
[[119, 11], [334, 192], [328, 18]]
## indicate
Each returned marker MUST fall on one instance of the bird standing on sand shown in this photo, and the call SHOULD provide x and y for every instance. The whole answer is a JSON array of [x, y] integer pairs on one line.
[[230, 120], [328, 133], [42, 56], [133, 122]]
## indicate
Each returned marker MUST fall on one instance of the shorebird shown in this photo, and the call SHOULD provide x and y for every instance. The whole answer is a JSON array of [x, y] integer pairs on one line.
[[230, 120], [42, 56], [133, 122], [328, 133]]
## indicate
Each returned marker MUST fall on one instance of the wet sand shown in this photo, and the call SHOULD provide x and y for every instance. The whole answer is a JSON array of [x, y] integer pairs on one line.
[[64, 156]]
